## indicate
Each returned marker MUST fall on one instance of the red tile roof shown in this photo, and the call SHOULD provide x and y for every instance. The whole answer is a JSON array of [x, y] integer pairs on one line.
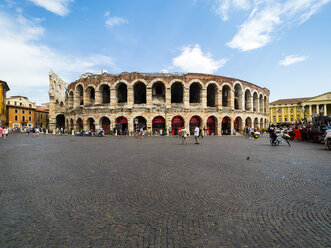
[[291, 100]]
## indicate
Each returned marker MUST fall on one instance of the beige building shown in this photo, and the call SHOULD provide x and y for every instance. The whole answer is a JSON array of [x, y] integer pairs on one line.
[[3, 109], [157, 102], [299, 109]]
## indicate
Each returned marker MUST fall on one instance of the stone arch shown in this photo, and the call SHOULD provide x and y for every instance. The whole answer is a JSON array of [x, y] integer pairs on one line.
[[177, 124], [255, 101], [238, 96], [139, 122], [71, 124], [61, 104], [226, 125], [195, 92], [261, 103], [60, 121], [136, 81], [90, 95], [195, 81], [56, 102], [212, 95], [104, 122], [212, 125], [248, 122], [121, 125], [261, 123], [159, 124], [256, 122], [265, 104], [118, 82], [176, 81], [71, 99], [158, 92], [238, 124], [90, 124], [79, 95], [248, 100], [104, 90], [226, 95], [79, 124], [177, 92], [139, 92], [122, 92]]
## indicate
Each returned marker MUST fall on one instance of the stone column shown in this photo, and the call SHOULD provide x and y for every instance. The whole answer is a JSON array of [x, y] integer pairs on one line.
[[85, 125], [204, 98], [251, 104], [317, 109], [168, 97], [231, 96], [219, 99], [98, 97], [277, 115], [186, 97], [295, 113], [149, 96], [325, 113], [113, 97], [232, 126], [310, 112], [130, 97]]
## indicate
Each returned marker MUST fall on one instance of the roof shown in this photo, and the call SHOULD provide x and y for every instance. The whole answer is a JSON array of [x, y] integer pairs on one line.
[[42, 108], [5, 85], [291, 100]]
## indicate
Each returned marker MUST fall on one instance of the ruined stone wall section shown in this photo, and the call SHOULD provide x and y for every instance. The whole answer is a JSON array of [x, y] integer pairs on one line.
[[57, 98]]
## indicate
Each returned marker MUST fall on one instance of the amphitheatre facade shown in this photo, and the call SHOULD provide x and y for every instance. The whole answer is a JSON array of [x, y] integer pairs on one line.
[[156, 102]]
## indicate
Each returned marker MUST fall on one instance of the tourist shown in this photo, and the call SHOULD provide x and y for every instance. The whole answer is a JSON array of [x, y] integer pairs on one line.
[[1, 130], [251, 133], [196, 135], [33, 132], [5, 133], [27, 131], [247, 132], [184, 136], [200, 133]]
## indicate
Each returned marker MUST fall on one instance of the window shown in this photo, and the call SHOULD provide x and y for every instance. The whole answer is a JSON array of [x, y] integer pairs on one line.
[[285, 119], [280, 119], [16, 118], [29, 118], [274, 110], [15, 103], [274, 119], [23, 111], [29, 112], [291, 110], [23, 118], [285, 110], [16, 111], [20, 104], [291, 119], [8, 102], [41, 116]]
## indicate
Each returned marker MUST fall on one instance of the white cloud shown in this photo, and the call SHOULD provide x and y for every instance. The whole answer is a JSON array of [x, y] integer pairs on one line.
[[266, 18], [59, 7], [292, 59], [115, 21], [192, 59], [25, 62]]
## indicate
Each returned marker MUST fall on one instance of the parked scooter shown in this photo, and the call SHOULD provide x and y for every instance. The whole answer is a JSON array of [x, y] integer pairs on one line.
[[99, 133]]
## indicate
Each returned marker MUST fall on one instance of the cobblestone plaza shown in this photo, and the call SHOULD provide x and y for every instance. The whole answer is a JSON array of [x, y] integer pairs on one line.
[[65, 191]]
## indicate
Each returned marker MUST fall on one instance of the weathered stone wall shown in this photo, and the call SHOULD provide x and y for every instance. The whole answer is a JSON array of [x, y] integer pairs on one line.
[[94, 108]]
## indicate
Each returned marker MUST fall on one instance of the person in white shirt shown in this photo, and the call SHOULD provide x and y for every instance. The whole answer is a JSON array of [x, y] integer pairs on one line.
[[196, 135]]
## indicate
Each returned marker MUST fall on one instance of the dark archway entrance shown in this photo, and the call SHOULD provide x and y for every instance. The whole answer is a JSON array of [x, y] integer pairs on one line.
[[177, 123], [139, 123], [211, 125], [139, 93], [248, 122], [105, 124], [91, 124], [195, 93], [226, 126], [211, 95], [105, 92], [177, 93], [158, 93], [195, 121], [122, 125], [60, 122], [79, 124], [122, 93], [158, 125], [238, 124]]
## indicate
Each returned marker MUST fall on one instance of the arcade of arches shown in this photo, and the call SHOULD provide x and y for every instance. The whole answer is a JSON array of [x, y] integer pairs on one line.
[[161, 102]]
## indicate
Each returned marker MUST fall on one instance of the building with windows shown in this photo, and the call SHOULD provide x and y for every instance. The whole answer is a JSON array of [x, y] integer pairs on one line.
[[299, 109], [42, 116], [20, 112], [156, 102], [3, 110]]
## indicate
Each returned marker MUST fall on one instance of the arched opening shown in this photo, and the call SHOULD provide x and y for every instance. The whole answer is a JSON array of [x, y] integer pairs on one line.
[[71, 99], [211, 95], [61, 104], [105, 124], [139, 93], [265, 123], [256, 123], [105, 93], [139, 123], [226, 96], [238, 97], [261, 123], [261, 103], [158, 93], [80, 95], [60, 122], [195, 93], [122, 93], [211, 125], [79, 124], [265, 104], [195, 121], [90, 95], [238, 124], [255, 102], [226, 126], [67, 123], [158, 125], [248, 122], [72, 124], [122, 125], [177, 124], [91, 124], [177, 92], [248, 100]]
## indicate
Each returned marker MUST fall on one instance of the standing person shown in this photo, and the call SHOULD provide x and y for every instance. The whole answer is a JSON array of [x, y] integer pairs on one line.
[[184, 136], [246, 132], [251, 133], [200, 133], [5, 133], [33, 131], [196, 135], [27, 131], [1, 130]]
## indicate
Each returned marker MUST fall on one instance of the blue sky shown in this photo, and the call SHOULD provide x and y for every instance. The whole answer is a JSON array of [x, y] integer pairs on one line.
[[284, 46]]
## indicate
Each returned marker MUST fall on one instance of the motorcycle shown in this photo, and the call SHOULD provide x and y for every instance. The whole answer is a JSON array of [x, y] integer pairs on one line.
[[279, 140], [99, 134]]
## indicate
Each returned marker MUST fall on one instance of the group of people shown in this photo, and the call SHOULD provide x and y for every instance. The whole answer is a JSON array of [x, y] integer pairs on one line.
[[35, 131], [4, 132], [250, 132], [198, 132]]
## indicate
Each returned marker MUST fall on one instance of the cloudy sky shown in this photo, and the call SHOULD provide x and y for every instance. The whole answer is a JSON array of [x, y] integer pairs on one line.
[[284, 46]]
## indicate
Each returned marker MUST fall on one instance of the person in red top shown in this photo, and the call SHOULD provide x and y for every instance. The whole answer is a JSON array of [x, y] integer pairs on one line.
[[297, 134]]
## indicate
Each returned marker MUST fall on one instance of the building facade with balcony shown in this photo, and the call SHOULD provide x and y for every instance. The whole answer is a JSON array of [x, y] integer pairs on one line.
[[156, 102]]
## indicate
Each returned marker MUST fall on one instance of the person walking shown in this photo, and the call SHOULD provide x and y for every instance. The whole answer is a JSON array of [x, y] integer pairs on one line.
[[1, 131], [5, 133], [200, 133], [196, 135], [184, 136]]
